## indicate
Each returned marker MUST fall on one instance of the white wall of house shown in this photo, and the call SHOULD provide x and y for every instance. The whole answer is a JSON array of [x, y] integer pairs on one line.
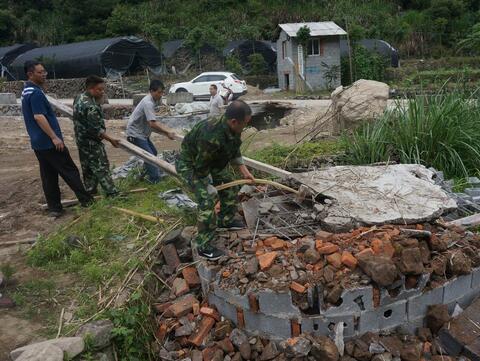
[[326, 54]]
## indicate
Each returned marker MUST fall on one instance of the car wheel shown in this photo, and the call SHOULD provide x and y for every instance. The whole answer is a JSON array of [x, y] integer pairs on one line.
[[181, 90]]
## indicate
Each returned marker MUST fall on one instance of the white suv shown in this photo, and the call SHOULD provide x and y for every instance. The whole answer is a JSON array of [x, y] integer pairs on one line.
[[200, 85]]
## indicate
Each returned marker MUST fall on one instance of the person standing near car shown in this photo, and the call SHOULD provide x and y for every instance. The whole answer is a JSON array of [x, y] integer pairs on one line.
[[90, 130], [47, 142], [141, 123], [216, 102]]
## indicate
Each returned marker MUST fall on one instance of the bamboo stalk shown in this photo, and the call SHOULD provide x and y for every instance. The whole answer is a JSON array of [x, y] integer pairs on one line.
[[139, 215], [256, 181]]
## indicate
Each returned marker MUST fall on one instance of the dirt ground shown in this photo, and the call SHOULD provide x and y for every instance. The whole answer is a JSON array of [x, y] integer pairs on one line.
[[21, 217]]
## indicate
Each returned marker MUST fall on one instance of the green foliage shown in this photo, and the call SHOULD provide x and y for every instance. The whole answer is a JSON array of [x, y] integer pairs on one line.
[[303, 35], [472, 41], [7, 270], [441, 131], [232, 63], [331, 74], [366, 65], [258, 65], [132, 334], [291, 156]]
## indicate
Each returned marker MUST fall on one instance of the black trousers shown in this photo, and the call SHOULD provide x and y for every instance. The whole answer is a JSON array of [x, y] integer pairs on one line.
[[52, 164]]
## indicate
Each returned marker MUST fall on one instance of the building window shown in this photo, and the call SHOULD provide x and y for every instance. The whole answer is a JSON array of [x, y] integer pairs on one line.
[[315, 47], [284, 49]]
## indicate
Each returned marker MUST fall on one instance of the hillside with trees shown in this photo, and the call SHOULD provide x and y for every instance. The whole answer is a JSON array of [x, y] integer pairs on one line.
[[418, 28]]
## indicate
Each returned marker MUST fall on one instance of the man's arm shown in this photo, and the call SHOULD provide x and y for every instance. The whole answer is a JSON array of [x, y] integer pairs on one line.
[[96, 126], [45, 126], [238, 161], [162, 129]]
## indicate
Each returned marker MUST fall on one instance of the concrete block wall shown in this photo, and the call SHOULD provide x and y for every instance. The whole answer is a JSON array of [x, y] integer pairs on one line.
[[276, 311]]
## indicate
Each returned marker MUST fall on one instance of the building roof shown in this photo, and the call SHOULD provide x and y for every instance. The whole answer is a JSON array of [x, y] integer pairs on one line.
[[325, 28]]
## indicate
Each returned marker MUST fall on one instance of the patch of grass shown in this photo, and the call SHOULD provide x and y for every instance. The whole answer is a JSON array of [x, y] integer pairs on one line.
[[442, 131], [7, 270], [293, 156]]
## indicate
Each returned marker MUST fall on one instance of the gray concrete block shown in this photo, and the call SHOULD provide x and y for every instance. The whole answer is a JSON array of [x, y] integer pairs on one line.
[[316, 325], [475, 278], [207, 275], [417, 306], [273, 327], [472, 192], [232, 296], [467, 299], [353, 301], [411, 327], [8, 98], [277, 304], [383, 318], [348, 323], [386, 299], [474, 182], [226, 309], [456, 288]]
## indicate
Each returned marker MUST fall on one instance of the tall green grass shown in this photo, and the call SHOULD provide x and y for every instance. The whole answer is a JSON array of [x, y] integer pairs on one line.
[[442, 131]]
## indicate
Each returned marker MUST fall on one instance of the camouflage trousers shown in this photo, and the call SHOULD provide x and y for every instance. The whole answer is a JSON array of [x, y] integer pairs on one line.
[[95, 167], [206, 197]]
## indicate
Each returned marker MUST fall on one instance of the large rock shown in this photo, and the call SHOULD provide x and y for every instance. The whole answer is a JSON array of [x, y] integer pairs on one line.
[[370, 195], [324, 349], [100, 332], [42, 353], [381, 269], [437, 316], [411, 261], [72, 346], [363, 100]]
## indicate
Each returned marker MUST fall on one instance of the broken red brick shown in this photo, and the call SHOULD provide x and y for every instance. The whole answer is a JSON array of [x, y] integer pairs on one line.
[[269, 241], [190, 275], [318, 243], [297, 287], [226, 274], [266, 260], [182, 306], [171, 256], [323, 236], [388, 248], [335, 259], [296, 328], [180, 287], [206, 325], [226, 345], [196, 309], [348, 260], [376, 296], [161, 332], [278, 244], [328, 248], [240, 318], [377, 246], [210, 312], [259, 252], [162, 307], [253, 302], [364, 253], [419, 227], [208, 353]]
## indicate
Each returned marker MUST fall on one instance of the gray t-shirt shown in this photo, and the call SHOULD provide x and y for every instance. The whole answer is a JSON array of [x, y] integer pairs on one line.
[[137, 125], [215, 103]]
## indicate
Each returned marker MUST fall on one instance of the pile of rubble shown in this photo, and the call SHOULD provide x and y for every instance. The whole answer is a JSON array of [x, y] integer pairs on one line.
[[384, 255], [189, 328]]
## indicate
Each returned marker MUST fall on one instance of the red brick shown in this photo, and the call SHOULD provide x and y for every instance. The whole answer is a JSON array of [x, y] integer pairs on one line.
[[388, 248], [210, 312], [377, 246], [365, 252], [226, 274], [266, 260], [297, 287], [207, 353], [348, 260], [161, 332], [205, 326], [162, 307], [196, 308], [240, 318], [278, 245], [253, 302], [328, 248], [183, 306], [335, 260], [180, 287], [296, 328], [190, 275], [171, 256], [323, 236], [226, 345], [269, 241], [318, 243]]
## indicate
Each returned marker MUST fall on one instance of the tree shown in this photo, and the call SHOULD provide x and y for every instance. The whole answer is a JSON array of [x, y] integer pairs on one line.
[[200, 37], [232, 63], [303, 36], [472, 41], [7, 26], [258, 65]]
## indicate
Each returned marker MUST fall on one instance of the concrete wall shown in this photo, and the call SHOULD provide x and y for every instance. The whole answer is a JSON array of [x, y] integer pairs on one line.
[[314, 68]]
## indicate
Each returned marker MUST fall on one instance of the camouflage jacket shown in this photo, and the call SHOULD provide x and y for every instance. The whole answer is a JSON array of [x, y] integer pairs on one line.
[[88, 119], [211, 145]]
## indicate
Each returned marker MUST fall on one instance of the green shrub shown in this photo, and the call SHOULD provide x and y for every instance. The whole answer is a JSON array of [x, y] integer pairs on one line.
[[442, 131], [365, 65], [258, 65], [232, 63]]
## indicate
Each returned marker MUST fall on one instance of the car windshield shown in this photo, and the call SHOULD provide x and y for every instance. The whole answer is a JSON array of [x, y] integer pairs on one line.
[[234, 76]]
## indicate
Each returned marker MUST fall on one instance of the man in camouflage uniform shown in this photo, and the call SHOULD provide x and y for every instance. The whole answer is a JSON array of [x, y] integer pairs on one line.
[[206, 151], [90, 130]]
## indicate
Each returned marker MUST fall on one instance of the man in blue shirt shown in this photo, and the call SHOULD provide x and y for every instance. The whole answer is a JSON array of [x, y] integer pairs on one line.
[[47, 141]]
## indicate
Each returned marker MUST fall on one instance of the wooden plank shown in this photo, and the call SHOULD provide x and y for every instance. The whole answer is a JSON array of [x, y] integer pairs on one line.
[[470, 221], [58, 105]]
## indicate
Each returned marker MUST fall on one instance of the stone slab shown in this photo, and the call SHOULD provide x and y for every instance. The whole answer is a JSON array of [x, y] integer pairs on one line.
[[72, 346]]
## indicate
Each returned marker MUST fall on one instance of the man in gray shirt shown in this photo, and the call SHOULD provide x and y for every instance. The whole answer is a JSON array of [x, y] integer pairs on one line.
[[141, 123], [216, 102]]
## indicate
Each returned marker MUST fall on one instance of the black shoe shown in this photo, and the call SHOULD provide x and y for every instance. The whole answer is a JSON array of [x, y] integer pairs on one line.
[[234, 225], [56, 213], [210, 253]]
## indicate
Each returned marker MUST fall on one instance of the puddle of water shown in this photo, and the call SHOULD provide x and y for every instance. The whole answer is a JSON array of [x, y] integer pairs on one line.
[[268, 115]]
